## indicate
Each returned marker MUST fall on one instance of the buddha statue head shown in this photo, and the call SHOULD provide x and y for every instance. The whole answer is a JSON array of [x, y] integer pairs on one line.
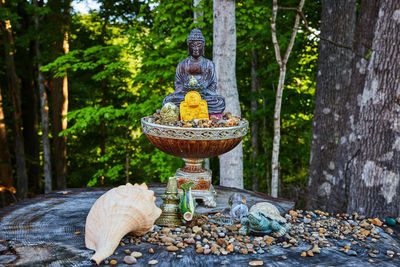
[[196, 42]]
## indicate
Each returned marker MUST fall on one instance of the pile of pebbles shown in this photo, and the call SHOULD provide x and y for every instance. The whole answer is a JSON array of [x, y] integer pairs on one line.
[[311, 233], [227, 120]]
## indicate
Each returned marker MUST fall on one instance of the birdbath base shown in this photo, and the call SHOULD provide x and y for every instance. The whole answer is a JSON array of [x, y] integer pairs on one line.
[[201, 177]]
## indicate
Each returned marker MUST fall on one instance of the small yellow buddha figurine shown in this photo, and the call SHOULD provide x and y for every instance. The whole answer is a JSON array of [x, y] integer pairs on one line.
[[193, 107]]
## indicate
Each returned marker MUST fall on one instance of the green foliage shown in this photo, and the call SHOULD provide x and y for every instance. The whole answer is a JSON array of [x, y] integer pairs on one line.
[[122, 64]]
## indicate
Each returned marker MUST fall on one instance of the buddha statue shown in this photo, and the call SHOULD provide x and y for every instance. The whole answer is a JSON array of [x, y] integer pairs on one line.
[[193, 107], [203, 71]]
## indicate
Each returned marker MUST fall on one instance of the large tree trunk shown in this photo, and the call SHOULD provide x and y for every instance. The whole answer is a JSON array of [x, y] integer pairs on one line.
[[333, 79], [60, 106], [30, 122], [254, 125], [6, 177], [15, 94], [44, 111], [57, 100], [374, 170], [224, 57], [365, 164]]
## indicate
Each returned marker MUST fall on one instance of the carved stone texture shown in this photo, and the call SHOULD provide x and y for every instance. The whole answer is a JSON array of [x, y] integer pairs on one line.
[[193, 107]]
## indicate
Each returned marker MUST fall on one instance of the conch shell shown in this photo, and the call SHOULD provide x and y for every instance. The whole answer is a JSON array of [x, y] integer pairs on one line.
[[125, 209]]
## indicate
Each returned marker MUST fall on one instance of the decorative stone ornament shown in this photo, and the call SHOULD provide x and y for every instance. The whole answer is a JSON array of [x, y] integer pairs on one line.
[[170, 208], [169, 112], [264, 218], [193, 107], [187, 204]]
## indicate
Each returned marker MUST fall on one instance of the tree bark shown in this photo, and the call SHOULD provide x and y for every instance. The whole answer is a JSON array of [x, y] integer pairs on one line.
[[365, 159], [44, 111], [30, 121], [15, 94], [254, 125], [373, 172], [224, 57], [199, 14], [5, 159], [278, 100], [333, 79], [60, 105]]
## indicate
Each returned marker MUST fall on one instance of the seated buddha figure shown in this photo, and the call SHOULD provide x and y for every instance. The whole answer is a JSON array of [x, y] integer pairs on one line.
[[193, 107], [203, 70]]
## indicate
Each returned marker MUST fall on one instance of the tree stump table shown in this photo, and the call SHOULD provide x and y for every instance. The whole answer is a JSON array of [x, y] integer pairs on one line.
[[49, 231]]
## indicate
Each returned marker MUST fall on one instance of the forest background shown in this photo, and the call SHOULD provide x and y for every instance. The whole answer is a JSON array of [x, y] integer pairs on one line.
[[109, 68]]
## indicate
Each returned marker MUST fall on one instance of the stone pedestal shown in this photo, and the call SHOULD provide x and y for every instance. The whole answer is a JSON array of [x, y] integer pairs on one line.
[[201, 177]]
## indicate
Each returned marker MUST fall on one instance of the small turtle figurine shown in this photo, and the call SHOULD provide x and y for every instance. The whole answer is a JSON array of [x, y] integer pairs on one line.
[[264, 218], [238, 205]]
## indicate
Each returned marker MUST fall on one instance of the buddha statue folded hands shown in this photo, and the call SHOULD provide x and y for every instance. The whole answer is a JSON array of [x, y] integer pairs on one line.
[[201, 70]]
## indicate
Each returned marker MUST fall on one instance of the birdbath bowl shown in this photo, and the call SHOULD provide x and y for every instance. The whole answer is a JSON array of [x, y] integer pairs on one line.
[[194, 145]]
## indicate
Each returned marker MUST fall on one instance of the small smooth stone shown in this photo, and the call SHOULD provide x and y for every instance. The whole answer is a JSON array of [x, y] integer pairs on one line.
[[351, 252], [256, 263], [310, 253], [137, 254], [167, 239], [372, 255], [190, 241], [127, 251], [165, 230], [316, 249], [389, 231], [225, 262], [130, 260], [200, 250], [152, 262], [376, 222], [221, 234], [151, 250], [196, 229], [172, 248], [7, 258], [390, 221], [3, 248], [307, 220], [113, 262], [207, 251], [304, 254]]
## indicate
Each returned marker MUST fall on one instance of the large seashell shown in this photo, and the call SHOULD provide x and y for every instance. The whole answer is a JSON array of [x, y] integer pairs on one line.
[[122, 210]]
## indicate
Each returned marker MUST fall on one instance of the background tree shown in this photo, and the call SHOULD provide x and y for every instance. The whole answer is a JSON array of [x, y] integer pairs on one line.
[[15, 94], [44, 108], [278, 101], [121, 65], [224, 58]]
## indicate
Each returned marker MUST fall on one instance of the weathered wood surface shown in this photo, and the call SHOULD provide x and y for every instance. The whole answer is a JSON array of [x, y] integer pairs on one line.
[[42, 233], [42, 230]]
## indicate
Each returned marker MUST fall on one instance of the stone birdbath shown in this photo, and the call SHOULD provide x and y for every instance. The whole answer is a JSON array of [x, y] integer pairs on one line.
[[196, 98], [193, 145]]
